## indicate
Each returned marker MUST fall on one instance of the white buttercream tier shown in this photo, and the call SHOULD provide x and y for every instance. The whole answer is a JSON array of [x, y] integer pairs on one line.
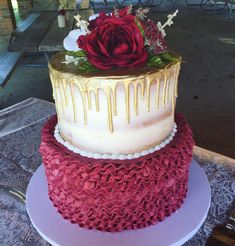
[[119, 113], [114, 156]]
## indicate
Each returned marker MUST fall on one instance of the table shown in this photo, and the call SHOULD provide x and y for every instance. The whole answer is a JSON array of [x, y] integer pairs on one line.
[[43, 34], [20, 135]]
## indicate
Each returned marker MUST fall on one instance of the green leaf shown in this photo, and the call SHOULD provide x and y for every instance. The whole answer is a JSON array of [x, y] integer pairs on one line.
[[161, 59], [86, 66], [155, 60], [79, 53], [167, 57]]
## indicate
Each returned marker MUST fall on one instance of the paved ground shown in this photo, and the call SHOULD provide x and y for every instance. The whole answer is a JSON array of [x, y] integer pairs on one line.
[[206, 41]]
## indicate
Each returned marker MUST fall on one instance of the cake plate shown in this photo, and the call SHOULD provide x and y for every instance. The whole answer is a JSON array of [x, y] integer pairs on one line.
[[174, 230]]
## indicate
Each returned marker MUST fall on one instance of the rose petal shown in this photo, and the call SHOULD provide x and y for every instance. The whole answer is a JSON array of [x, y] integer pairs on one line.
[[92, 48], [121, 49], [103, 49], [99, 63]]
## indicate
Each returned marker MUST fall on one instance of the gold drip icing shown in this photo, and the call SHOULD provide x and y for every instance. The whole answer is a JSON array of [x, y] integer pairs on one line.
[[177, 70], [65, 92], [97, 106], [73, 102], [114, 91], [135, 86], [148, 83], [109, 104], [89, 99], [62, 99], [157, 92], [142, 90], [127, 99], [166, 90], [84, 96]]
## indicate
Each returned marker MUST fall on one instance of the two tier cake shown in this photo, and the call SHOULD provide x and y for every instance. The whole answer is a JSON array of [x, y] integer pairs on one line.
[[116, 156]]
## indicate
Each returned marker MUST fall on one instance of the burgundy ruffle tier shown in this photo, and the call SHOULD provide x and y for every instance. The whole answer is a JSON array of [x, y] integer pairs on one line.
[[114, 195]]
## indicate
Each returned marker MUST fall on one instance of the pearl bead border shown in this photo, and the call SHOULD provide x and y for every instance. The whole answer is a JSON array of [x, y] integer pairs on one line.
[[114, 156]]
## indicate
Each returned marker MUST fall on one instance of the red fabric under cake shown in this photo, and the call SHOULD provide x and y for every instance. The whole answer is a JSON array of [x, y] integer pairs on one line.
[[114, 195]]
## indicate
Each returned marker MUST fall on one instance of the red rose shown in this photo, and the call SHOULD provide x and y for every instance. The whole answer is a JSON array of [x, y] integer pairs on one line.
[[97, 21], [114, 42]]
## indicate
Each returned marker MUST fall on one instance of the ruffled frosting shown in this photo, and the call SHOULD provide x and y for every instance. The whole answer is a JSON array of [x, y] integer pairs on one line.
[[115, 195], [114, 156]]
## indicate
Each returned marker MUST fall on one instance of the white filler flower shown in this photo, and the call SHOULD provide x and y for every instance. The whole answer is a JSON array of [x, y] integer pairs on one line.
[[74, 60], [169, 22], [82, 24]]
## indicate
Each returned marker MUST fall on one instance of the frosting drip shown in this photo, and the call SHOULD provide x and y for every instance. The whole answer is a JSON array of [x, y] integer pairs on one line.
[[115, 195], [165, 79]]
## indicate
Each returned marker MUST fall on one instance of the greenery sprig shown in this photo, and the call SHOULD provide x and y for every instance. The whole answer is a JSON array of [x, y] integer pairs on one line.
[[160, 60]]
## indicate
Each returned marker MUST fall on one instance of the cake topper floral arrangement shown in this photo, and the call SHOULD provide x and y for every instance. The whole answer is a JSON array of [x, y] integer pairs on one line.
[[120, 39]]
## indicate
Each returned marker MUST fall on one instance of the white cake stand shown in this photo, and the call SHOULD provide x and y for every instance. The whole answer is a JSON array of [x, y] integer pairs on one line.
[[175, 230]]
